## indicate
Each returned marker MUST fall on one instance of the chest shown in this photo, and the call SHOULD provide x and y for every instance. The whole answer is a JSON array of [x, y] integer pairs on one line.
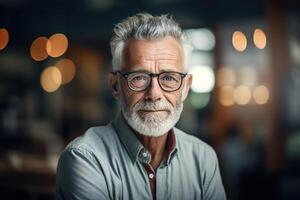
[[178, 180]]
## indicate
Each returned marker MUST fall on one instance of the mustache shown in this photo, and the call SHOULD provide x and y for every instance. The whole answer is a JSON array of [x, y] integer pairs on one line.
[[153, 105]]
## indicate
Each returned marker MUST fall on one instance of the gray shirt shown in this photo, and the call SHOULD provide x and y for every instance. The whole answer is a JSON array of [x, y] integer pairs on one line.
[[107, 162]]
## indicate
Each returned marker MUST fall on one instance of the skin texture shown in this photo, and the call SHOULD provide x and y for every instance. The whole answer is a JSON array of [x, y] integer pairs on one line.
[[154, 56]]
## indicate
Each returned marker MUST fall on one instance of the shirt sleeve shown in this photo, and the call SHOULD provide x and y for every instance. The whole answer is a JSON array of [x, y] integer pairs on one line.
[[213, 186], [79, 177]]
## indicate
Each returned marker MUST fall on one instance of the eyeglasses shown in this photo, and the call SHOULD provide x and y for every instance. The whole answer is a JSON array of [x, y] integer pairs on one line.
[[140, 81]]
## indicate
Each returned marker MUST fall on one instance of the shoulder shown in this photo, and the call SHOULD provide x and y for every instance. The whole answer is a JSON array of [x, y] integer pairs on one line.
[[185, 139], [93, 148], [94, 139], [81, 168], [96, 145], [190, 144]]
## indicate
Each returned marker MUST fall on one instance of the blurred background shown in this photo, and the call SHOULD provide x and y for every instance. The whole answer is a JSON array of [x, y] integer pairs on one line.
[[245, 98]]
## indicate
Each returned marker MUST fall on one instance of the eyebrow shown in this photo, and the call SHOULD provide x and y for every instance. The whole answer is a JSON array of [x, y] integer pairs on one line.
[[146, 71]]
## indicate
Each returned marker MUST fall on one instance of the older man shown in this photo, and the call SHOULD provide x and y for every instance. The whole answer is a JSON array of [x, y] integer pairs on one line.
[[140, 154]]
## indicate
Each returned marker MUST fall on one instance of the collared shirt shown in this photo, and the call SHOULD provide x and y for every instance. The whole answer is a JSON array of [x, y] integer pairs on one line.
[[109, 162]]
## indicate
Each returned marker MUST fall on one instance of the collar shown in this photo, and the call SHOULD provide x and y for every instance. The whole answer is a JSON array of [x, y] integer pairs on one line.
[[135, 148]]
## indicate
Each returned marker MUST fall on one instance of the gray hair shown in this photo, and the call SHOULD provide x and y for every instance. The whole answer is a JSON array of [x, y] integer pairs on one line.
[[144, 26]]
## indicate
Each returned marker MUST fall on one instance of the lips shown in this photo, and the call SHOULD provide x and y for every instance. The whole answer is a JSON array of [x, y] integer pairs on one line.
[[153, 110]]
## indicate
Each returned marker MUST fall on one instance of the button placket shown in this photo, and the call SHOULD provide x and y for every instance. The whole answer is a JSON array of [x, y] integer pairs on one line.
[[152, 178]]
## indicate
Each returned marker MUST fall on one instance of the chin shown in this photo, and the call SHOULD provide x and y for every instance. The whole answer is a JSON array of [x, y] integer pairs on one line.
[[152, 131], [153, 117], [152, 125]]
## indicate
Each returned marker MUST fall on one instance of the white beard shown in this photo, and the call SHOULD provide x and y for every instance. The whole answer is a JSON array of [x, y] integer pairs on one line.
[[154, 123]]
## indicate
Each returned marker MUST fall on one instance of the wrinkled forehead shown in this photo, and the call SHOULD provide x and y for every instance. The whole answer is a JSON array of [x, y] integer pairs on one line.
[[161, 51]]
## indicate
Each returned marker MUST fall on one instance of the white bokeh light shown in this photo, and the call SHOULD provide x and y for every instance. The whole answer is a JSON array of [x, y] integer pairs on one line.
[[203, 78], [201, 39]]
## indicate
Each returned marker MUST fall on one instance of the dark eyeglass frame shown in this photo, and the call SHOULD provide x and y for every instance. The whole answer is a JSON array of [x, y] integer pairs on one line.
[[126, 75]]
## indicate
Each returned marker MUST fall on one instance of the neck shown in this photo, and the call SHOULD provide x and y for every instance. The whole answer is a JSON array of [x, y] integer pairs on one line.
[[155, 145]]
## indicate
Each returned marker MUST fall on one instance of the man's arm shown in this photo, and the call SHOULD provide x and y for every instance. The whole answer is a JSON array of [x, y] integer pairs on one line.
[[213, 186], [79, 177]]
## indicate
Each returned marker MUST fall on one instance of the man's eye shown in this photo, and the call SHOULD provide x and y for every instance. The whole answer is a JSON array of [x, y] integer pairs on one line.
[[169, 78], [139, 78]]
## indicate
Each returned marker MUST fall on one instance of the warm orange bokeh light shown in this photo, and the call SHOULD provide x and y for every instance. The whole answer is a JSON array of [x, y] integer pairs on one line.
[[67, 69], [226, 95], [259, 39], [57, 45], [51, 79], [239, 41], [261, 94], [38, 49], [242, 95], [4, 38]]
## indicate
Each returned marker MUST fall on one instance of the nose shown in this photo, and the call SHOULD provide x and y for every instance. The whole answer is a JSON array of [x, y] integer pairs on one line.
[[153, 92]]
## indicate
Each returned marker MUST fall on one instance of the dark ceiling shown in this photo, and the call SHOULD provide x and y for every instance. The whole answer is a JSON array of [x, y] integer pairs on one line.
[[92, 20]]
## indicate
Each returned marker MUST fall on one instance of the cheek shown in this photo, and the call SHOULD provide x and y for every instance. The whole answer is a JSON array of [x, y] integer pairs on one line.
[[132, 98], [174, 98]]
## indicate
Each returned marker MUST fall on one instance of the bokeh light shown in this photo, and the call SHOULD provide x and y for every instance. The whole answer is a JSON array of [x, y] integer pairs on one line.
[[242, 95], [199, 100], [226, 95], [203, 78], [51, 79], [259, 39], [57, 45], [67, 69], [261, 94], [38, 49], [4, 38], [226, 76], [201, 39], [239, 41]]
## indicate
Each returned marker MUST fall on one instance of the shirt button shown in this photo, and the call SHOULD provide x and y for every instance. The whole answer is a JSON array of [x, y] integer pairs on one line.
[[151, 176], [144, 154]]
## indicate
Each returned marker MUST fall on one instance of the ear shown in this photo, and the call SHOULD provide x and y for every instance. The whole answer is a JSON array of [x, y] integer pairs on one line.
[[113, 83], [187, 85]]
